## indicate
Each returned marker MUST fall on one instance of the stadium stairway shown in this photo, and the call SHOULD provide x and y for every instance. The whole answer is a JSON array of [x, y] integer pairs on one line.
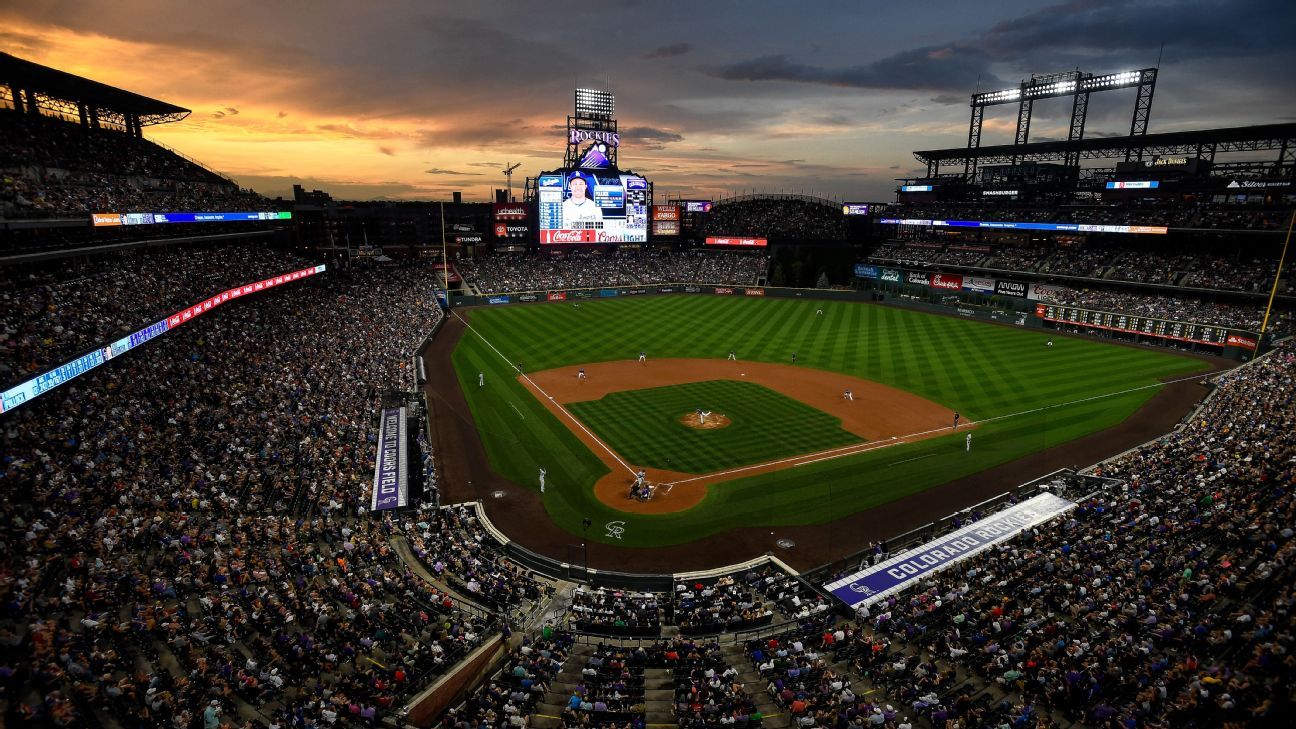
[[754, 685], [550, 708]]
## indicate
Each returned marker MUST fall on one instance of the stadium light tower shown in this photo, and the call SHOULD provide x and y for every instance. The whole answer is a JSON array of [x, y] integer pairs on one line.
[[508, 174], [1076, 84]]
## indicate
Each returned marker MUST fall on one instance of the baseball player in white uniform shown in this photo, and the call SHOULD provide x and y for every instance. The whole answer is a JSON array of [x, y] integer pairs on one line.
[[643, 357], [969, 442], [543, 473], [481, 379]]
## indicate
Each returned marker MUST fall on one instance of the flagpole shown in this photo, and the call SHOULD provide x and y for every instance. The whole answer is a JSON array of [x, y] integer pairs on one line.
[[445, 262], [1278, 274]]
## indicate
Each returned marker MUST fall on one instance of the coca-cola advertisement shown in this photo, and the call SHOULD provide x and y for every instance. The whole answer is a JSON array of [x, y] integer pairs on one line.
[[557, 296]]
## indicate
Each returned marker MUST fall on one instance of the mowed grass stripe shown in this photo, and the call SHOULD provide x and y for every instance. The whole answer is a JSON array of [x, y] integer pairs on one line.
[[642, 426], [996, 371]]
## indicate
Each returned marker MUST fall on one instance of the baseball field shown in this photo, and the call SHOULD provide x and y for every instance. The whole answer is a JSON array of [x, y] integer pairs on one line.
[[794, 448]]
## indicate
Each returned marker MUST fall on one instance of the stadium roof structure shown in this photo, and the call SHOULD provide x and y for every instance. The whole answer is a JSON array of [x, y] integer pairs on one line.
[[1203, 143], [31, 87]]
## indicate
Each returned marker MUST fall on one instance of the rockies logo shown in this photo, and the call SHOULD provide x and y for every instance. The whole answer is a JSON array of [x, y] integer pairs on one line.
[[615, 529], [861, 589]]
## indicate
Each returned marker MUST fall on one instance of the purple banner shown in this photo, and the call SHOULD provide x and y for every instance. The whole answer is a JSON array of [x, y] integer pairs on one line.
[[900, 571], [390, 489]]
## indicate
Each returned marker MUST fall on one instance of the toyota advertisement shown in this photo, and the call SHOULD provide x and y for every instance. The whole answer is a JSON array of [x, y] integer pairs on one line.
[[592, 206], [511, 220]]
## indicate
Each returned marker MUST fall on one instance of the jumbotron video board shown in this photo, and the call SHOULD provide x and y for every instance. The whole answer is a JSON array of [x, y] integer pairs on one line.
[[592, 206]]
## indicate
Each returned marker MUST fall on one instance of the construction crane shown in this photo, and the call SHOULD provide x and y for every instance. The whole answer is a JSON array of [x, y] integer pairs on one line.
[[508, 173]]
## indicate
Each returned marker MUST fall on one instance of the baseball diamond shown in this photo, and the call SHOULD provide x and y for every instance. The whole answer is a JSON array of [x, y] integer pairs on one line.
[[1022, 396]]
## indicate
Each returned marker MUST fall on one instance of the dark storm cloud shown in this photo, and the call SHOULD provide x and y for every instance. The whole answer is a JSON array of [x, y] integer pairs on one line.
[[674, 49], [936, 68], [650, 134], [1059, 36]]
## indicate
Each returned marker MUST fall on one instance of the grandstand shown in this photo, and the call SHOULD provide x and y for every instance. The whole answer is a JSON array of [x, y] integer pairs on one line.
[[203, 419]]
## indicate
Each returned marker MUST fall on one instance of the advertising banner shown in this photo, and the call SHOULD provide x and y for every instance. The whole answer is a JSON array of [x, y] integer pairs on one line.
[[1047, 292], [633, 292], [568, 236], [949, 281], [855, 208], [1011, 225], [1235, 340], [666, 212], [892, 274], [697, 206], [899, 572], [665, 289], [692, 289], [865, 271], [917, 277], [747, 242], [1010, 288], [723, 290], [978, 284], [607, 293], [390, 489], [528, 297], [497, 299], [509, 211], [557, 296], [754, 292], [666, 227], [584, 294]]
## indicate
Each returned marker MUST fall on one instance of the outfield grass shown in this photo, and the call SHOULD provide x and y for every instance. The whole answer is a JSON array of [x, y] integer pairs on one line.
[[643, 426], [982, 370]]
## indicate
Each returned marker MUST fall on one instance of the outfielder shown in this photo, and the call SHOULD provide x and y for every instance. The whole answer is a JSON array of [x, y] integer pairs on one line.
[[969, 442], [481, 379], [543, 473]]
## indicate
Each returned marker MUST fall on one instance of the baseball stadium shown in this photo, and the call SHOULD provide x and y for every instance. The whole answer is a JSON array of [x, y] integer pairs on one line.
[[972, 421]]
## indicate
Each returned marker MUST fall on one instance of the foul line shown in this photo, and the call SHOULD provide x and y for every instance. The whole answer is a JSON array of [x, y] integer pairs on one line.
[[858, 448], [908, 460], [539, 389]]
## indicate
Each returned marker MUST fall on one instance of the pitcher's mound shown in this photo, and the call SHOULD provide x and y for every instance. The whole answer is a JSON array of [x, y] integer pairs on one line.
[[713, 421]]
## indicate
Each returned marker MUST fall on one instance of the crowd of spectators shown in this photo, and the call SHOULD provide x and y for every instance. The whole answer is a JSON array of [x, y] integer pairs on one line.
[[708, 691], [774, 216], [458, 550], [504, 273], [1164, 602], [616, 612], [189, 524], [50, 167], [1175, 308], [1206, 268], [509, 699], [64, 309], [715, 605], [1172, 214]]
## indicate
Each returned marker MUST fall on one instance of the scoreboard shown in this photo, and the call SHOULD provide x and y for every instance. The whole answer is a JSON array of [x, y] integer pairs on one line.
[[1163, 328]]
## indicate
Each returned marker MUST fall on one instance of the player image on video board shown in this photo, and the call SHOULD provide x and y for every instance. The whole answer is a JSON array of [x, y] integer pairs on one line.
[[587, 206]]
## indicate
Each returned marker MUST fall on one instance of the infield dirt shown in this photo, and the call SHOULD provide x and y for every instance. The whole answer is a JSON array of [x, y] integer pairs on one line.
[[879, 414]]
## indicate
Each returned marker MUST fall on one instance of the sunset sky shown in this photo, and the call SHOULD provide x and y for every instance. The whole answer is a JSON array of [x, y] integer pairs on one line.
[[409, 99]]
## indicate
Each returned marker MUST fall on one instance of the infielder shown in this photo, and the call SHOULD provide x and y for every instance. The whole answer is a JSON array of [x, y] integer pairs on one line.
[[849, 396], [733, 357], [956, 419], [969, 442], [481, 379], [543, 473], [642, 356], [794, 358], [580, 376]]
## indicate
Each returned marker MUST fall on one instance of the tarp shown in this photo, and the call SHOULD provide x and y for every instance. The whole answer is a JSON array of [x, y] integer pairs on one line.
[[903, 570]]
